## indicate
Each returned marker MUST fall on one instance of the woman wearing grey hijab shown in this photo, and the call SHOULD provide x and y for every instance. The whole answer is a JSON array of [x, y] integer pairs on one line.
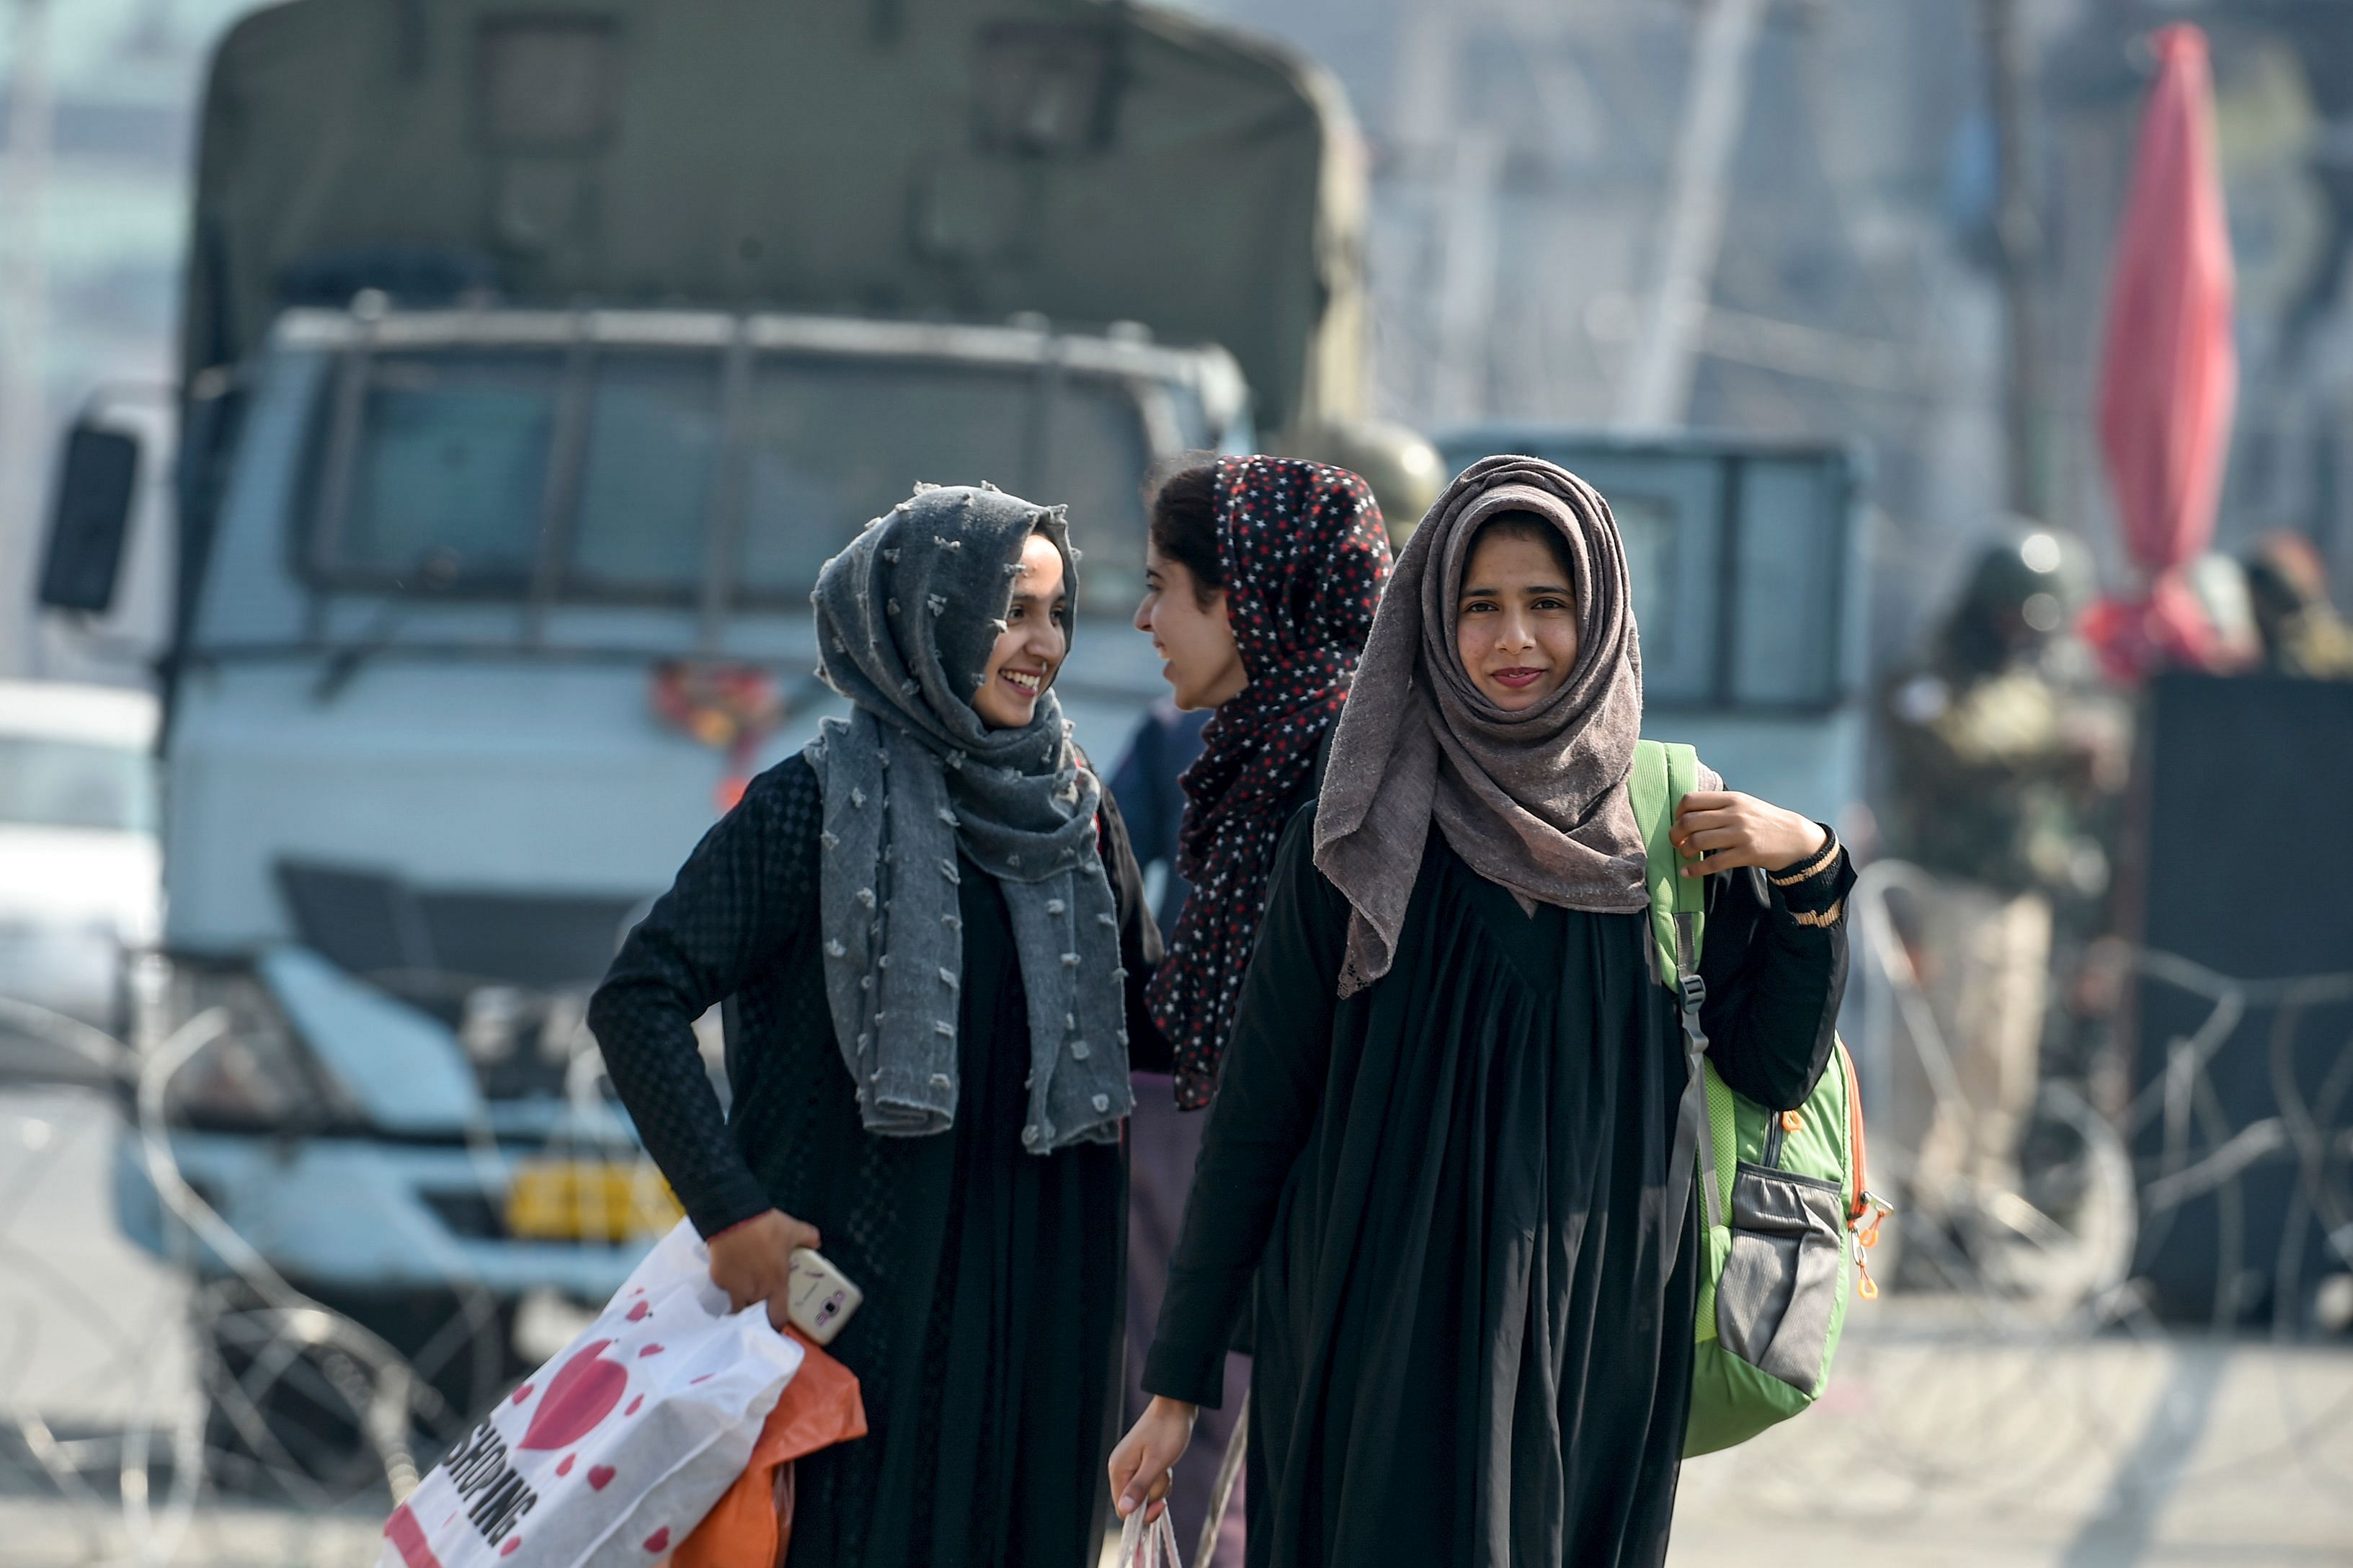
[[934, 939], [1441, 1137]]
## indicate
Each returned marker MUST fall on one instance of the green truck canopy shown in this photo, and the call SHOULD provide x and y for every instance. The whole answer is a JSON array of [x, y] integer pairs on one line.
[[971, 158]]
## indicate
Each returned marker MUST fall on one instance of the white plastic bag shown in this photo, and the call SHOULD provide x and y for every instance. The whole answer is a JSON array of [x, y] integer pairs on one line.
[[1153, 1545], [615, 1449]]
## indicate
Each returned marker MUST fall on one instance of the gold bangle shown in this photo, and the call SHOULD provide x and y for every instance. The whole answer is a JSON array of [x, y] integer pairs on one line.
[[1813, 868]]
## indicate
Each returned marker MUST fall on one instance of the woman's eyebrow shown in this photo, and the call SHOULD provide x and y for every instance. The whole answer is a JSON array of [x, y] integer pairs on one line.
[[1498, 593]]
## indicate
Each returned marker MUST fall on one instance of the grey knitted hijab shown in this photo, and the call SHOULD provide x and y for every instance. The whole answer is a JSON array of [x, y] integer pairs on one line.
[[1532, 800], [906, 618]]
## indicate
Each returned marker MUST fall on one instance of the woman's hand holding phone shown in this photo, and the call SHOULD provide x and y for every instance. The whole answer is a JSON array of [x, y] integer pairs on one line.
[[754, 1261]]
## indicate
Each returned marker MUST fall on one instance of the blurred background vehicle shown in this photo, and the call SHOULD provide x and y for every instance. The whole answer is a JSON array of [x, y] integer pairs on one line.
[[80, 883]]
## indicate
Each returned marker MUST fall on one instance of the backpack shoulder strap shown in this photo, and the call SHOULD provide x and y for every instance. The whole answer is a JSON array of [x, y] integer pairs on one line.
[[1662, 775]]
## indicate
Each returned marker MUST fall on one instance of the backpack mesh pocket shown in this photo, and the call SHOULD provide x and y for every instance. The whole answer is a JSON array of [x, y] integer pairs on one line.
[[1780, 1292]]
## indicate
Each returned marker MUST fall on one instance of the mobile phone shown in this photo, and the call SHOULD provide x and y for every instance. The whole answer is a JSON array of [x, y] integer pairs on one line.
[[821, 1298]]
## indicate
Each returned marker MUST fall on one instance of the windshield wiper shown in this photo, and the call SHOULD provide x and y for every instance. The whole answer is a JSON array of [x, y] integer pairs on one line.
[[439, 568]]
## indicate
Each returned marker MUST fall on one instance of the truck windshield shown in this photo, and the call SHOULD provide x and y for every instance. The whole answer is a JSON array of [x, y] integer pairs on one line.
[[468, 471], [446, 478]]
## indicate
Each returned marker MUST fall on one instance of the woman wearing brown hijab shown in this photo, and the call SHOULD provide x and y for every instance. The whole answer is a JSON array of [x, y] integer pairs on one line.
[[1443, 1127]]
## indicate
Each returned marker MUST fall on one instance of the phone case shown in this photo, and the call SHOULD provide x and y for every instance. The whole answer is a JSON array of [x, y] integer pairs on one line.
[[822, 1298]]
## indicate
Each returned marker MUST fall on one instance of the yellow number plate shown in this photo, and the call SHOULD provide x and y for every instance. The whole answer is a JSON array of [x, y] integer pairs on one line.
[[588, 1200]]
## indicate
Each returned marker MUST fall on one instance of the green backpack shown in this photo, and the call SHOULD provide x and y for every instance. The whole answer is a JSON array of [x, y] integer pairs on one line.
[[1783, 1190]]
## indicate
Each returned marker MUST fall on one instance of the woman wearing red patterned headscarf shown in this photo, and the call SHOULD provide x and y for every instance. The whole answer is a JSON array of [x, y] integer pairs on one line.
[[1261, 577], [1300, 558]]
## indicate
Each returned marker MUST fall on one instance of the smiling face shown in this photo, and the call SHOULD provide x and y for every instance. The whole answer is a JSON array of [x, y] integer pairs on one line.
[[1036, 634], [1190, 632], [1516, 619]]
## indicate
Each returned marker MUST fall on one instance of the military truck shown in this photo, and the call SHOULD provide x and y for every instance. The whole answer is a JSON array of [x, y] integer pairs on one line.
[[536, 353]]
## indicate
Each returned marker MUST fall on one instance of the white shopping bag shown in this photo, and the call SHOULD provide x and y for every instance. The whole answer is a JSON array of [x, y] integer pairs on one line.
[[615, 1449], [1153, 1545]]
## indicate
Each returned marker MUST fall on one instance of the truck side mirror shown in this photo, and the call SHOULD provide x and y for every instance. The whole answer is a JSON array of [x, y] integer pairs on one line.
[[92, 520]]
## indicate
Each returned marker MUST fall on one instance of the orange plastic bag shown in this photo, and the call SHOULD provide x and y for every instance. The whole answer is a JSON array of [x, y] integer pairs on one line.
[[752, 1523]]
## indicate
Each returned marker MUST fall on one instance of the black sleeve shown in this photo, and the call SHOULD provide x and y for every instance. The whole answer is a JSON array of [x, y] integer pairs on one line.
[[1139, 940], [1774, 962], [729, 911], [1269, 1090]]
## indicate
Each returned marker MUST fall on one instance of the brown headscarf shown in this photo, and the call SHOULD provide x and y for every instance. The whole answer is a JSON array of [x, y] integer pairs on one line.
[[1532, 801]]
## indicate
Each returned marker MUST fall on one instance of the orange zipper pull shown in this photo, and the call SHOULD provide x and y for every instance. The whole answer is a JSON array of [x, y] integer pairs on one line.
[[1865, 1239]]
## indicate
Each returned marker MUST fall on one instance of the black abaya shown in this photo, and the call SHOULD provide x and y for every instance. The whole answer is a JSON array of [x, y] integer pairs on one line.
[[1450, 1186], [987, 1347]]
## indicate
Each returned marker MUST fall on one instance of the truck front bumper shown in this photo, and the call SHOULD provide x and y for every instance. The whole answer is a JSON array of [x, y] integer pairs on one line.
[[362, 1214]]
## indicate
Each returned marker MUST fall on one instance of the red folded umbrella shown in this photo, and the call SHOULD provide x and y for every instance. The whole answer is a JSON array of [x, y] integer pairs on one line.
[[2170, 375]]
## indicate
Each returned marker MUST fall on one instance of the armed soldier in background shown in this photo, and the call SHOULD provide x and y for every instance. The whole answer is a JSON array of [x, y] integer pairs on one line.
[[2301, 632], [2005, 765]]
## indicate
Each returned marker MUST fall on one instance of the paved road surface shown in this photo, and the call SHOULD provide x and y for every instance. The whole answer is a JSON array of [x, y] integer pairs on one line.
[[1942, 1445], [1930, 1453]]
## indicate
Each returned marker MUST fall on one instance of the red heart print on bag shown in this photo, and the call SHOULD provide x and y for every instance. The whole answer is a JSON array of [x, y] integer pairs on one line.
[[600, 1475], [582, 1394], [658, 1539], [637, 1313]]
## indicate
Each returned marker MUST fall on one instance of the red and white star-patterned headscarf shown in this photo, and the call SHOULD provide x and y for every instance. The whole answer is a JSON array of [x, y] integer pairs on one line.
[[1304, 557]]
